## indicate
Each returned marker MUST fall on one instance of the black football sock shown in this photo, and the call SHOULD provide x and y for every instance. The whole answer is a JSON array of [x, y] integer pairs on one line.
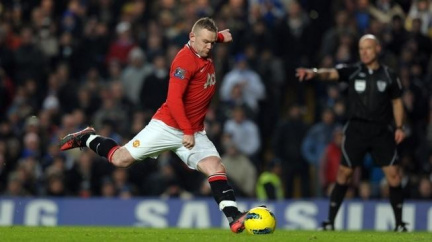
[[396, 201], [224, 195], [84, 138], [101, 145], [336, 198]]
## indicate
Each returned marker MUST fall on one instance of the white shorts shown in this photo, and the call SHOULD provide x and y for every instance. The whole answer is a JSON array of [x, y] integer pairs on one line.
[[158, 137]]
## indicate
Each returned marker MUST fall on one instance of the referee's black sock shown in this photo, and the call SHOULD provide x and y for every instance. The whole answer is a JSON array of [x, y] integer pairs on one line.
[[336, 198], [396, 201]]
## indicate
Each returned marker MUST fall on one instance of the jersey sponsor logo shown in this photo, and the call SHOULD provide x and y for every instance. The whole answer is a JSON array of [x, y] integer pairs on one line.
[[136, 143], [360, 85], [180, 73], [211, 80], [381, 85]]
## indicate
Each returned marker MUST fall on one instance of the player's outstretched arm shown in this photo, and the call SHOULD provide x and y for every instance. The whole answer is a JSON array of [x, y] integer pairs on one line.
[[326, 74], [224, 36]]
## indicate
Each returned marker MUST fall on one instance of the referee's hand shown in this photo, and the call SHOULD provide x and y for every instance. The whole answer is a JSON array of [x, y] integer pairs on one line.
[[399, 135], [304, 74]]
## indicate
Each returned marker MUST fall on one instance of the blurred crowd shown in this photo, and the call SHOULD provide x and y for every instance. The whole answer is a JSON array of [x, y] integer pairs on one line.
[[68, 64]]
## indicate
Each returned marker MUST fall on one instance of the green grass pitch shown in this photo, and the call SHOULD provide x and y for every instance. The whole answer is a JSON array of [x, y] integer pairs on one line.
[[120, 234]]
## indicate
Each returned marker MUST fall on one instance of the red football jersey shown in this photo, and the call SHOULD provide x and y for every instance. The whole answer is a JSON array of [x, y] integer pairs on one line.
[[191, 88]]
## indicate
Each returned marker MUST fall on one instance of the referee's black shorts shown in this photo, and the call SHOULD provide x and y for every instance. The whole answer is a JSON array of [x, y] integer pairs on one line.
[[361, 137]]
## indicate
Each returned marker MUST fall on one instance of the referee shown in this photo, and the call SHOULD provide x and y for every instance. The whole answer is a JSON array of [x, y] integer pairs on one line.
[[375, 123]]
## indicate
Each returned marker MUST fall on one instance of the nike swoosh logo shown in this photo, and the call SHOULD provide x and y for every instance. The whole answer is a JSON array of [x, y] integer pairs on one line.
[[228, 191], [202, 69], [97, 148]]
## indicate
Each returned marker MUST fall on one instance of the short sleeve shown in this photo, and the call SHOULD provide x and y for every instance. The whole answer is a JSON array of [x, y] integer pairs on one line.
[[345, 71], [395, 85]]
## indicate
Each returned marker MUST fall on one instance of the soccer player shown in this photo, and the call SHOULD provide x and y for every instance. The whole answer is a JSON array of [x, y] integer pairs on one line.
[[178, 125], [375, 123]]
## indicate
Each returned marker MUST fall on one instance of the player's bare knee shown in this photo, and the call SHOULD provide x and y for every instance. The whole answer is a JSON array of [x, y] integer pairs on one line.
[[210, 165], [121, 163], [122, 158]]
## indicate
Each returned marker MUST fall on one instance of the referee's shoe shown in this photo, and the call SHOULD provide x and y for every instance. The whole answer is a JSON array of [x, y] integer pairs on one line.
[[327, 226], [401, 227]]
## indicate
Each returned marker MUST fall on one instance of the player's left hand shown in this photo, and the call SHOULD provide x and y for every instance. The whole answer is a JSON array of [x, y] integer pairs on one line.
[[399, 135], [227, 35]]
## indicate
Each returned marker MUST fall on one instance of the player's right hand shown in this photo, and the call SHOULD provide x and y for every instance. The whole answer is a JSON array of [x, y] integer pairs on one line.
[[188, 141], [304, 74]]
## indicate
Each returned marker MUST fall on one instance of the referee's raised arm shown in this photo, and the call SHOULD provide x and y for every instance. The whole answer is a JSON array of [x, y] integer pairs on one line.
[[325, 74]]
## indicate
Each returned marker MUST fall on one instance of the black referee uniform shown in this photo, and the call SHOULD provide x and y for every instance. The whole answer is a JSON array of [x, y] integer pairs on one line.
[[370, 127], [374, 109]]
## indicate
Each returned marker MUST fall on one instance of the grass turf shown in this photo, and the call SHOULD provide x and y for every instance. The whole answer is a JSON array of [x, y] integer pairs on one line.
[[101, 234]]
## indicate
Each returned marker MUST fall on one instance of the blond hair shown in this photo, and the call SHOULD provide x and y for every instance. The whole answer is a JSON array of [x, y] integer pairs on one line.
[[205, 23]]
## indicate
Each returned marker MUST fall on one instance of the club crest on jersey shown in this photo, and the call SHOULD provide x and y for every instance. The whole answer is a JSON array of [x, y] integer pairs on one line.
[[381, 85], [180, 73]]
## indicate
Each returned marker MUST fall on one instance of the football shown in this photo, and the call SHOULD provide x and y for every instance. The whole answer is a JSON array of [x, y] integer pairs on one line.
[[260, 220]]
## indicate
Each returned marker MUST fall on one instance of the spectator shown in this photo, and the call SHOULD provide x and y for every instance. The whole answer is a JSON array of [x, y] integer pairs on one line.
[[31, 146], [67, 90], [385, 10], [240, 169], [331, 37], [3, 170], [30, 62], [424, 190], [154, 90], [315, 142], [251, 87], [134, 74], [287, 140], [244, 133], [269, 184], [15, 187], [398, 35], [124, 43], [330, 161], [56, 186], [93, 48], [83, 178], [365, 191], [108, 189], [422, 10], [111, 110], [174, 190], [121, 182]]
